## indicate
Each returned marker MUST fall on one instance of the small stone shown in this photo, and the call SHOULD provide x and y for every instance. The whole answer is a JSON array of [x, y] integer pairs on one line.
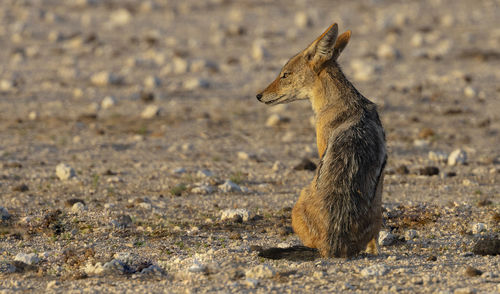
[[21, 188], [6, 85], [305, 164], [195, 83], [4, 213], [245, 156], [108, 102], [478, 228], [33, 115], [29, 258], [179, 170], [429, 171], [150, 111], [386, 51], [145, 205], [204, 173], [470, 92], [64, 171], [147, 97], [277, 166], [487, 246], [78, 207], [180, 65], [438, 156], [230, 214], [466, 290], [411, 234], [259, 52], [386, 239], [114, 266], [187, 147], [262, 271], [52, 284], [472, 272], [152, 82], [153, 270], [302, 20], [203, 189], [229, 186], [122, 221], [417, 40], [199, 65], [105, 78], [420, 143], [198, 267], [375, 271], [363, 71], [120, 17], [456, 157]]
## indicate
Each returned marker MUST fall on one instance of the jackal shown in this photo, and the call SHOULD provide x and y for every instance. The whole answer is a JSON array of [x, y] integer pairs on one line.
[[340, 211]]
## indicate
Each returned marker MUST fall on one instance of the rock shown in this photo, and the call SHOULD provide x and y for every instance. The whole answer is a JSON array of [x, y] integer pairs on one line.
[[64, 171], [108, 102], [20, 188], [386, 239], [152, 82], [478, 228], [245, 156], [472, 272], [259, 51], [417, 40], [262, 271], [120, 17], [147, 97], [487, 246], [411, 234], [377, 270], [230, 214], [150, 111], [6, 85], [470, 92], [195, 83], [4, 213], [122, 221], [229, 186], [363, 71], [438, 156], [52, 284], [105, 78], [78, 207], [199, 65], [429, 171], [33, 115], [277, 166], [180, 65], [114, 266], [30, 258], [302, 20], [198, 267], [305, 164], [145, 205], [456, 157], [466, 290], [204, 173], [179, 170], [153, 270], [203, 189], [420, 143], [386, 51]]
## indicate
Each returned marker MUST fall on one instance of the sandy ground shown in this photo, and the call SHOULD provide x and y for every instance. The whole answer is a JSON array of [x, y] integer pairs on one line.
[[150, 108]]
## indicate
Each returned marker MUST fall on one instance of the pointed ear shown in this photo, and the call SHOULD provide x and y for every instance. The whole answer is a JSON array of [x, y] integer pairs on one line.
[[322, 48], [341, 43]]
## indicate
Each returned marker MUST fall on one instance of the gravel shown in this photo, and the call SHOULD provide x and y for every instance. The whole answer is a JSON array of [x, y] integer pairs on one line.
[[65, 172]]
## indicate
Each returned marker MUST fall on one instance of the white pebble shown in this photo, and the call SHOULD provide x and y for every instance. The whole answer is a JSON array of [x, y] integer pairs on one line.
[[302, 20], [204, 173], [438, 156], [417, 40], [262, 271], [229, 186], [78, 207], [6, 85], [470, 92], [29, 258], [274, 120], [458, 156], [195, 83], [152, 82], [33, 115], [197, 267], [479, 228], [363, 71], [108, 102], [150, 111], [203, 189], [120, 17], [232, 213], [105, 78], [259, 52], [64, 171], [386, 51]]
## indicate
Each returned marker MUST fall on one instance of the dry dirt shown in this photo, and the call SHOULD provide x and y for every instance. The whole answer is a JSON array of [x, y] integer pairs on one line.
[[142, 210]]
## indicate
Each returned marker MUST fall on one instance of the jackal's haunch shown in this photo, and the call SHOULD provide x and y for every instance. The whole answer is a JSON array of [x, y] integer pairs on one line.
[[339, 212]]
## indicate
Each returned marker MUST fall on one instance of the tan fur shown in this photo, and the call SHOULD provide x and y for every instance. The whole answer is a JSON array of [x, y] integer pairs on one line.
[[339, 109]]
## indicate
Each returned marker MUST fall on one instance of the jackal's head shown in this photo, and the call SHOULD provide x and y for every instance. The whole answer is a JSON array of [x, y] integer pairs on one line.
[[299, 75]]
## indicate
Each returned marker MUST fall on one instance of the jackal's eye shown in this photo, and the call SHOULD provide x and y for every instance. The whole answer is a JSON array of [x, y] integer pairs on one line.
[[285, 75]]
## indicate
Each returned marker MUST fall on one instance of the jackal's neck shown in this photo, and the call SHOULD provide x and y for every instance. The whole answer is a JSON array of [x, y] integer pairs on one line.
[[332, 89]]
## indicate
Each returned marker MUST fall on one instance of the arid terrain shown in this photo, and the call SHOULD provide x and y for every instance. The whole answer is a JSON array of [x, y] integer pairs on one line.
[[134, 156]]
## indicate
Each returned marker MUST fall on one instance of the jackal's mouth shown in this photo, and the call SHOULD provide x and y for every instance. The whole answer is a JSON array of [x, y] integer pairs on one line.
[[272, 101]]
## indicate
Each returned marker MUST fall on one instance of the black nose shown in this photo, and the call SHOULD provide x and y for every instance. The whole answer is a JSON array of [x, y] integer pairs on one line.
[[259, 96]]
